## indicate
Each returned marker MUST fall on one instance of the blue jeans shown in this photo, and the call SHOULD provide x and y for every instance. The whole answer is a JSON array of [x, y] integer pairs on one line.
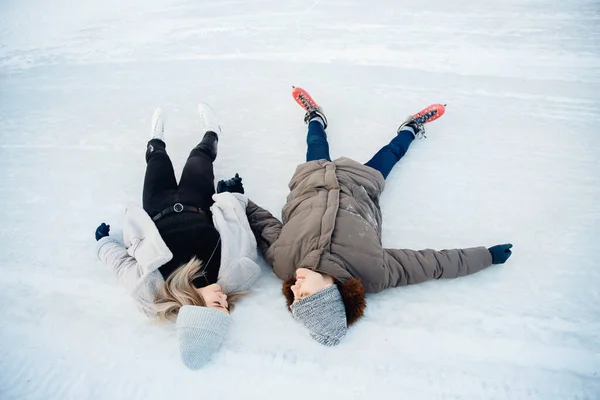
[[316, 139], [383, 161]]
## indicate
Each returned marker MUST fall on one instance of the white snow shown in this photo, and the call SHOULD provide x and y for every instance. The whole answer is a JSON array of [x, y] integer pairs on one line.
[[515, 159]]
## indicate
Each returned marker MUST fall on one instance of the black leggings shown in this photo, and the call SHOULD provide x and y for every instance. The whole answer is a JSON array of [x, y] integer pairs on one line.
[[197, 183]]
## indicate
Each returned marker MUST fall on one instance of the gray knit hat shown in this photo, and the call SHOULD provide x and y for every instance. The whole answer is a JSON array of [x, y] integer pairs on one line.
[[324, 315], [200, 332]]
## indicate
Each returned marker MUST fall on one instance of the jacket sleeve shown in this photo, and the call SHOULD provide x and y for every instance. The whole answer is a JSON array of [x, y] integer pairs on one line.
[[264, 225], [408, 267], [127, 270], [240, 276]]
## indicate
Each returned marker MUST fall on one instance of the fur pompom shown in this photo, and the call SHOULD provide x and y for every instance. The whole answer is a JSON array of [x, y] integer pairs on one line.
[[353, 295], [287, 292]]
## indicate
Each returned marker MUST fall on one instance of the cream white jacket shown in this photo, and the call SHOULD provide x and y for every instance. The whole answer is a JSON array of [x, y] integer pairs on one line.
[[135, 262]]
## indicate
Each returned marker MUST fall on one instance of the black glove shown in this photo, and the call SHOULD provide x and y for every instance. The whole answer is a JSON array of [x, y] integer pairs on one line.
[[233, 185], [500, 253], [102, 231]]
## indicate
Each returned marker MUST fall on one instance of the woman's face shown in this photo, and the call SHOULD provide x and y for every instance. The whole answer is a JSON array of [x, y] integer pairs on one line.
[[214, 297], [309, 282]]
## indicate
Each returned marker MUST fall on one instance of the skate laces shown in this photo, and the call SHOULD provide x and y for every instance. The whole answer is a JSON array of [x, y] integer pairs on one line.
[[419, 120], [308, 106], [420, 130], [424, 118]]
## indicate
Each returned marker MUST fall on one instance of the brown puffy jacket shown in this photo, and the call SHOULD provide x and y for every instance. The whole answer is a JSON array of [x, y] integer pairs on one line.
[[332, 224]]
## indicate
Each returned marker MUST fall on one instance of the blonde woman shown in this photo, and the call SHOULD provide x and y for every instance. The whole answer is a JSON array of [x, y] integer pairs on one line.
[[189, 252]]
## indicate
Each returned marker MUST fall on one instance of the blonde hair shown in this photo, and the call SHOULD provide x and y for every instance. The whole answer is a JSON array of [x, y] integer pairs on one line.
[[179, 291]]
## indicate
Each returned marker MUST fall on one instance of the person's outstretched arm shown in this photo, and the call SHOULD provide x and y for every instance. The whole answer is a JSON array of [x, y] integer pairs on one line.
[[264, 225], [112, 253], [408, 267]]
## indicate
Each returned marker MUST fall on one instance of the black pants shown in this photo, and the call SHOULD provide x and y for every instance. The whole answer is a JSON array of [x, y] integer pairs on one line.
[[197, 183]]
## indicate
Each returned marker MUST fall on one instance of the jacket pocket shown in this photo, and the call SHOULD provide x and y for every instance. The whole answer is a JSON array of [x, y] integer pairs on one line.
[[133, 246]]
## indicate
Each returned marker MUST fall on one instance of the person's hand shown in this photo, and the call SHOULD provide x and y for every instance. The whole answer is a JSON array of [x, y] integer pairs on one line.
[[500, 253], [102, 231], [233, 185]]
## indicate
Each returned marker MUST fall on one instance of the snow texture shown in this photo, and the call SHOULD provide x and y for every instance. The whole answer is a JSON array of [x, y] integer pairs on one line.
[[515, 159]]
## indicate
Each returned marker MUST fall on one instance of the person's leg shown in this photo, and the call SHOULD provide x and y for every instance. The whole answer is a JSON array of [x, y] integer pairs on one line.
[[160, 185], [197, 184], [385, 159], [316, 139]]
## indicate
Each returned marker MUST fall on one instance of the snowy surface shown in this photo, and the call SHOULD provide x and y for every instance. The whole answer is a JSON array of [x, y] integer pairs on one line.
[[516, 158]]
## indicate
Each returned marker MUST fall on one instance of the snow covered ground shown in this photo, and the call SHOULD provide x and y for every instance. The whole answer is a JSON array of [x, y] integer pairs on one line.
[[515, 159]]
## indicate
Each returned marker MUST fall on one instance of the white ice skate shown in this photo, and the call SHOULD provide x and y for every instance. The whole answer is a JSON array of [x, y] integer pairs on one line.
[[209, 119], [158, 125]]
